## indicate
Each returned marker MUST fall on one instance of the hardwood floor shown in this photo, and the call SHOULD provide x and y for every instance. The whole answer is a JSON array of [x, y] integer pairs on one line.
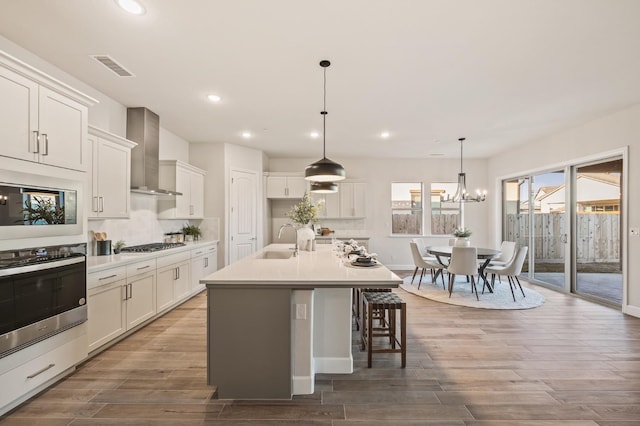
[[568, 362]]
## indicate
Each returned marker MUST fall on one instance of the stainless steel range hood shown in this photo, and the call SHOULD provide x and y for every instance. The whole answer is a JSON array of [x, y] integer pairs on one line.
[[143, 127]]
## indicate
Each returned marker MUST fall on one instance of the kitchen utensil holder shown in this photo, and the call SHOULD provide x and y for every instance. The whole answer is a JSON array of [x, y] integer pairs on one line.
[[103, 248]]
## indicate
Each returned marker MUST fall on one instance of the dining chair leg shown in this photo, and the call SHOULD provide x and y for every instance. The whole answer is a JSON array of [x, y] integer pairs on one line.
[[474, 289], [415, 271], [452, 278], [511, 287], [421, 274], [519, 285], [441, 276]]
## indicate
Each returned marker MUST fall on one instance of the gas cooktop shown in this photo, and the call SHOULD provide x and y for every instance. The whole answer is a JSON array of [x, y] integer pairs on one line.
[[148, 248]]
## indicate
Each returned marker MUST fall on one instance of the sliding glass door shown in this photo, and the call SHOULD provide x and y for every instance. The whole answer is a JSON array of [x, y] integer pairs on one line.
[[570, 220], [598, 236]]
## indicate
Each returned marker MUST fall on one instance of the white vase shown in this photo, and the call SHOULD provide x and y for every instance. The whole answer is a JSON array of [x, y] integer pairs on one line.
[[306, 237], [462, 242]]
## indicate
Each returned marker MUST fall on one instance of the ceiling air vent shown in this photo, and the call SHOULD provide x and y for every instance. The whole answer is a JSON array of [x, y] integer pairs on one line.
[[110, 63]]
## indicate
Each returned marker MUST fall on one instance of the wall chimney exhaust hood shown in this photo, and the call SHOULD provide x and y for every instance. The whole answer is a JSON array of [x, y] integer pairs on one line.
[[143, 127]]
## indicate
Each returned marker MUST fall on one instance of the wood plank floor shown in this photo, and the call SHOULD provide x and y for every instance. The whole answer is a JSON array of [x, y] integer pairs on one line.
[[569, 362]]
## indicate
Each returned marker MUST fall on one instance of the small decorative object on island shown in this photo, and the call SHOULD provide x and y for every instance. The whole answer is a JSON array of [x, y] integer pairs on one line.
[[118, 246], [191, 232], [462, 237], [303, 214]]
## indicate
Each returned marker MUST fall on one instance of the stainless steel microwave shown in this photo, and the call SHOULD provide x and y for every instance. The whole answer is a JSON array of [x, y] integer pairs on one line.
[[35, 206]]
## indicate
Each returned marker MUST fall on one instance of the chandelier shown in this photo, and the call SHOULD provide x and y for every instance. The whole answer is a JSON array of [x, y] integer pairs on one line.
[[462, 195], [324, 172]]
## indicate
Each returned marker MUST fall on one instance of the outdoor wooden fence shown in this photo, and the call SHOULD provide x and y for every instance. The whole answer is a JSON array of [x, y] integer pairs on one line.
[[410, 224], [598, 236]]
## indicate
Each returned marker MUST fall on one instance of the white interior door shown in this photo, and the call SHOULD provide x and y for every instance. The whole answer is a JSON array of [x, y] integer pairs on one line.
[[243, 224]]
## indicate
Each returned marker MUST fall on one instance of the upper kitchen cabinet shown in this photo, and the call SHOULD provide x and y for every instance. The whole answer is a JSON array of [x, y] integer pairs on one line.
[[286, 186], [328, 205], [109, 175], [41, 119], [186, 179], [352, 199]]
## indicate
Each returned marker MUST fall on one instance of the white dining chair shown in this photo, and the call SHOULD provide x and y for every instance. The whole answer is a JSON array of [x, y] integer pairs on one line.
[[507, 252], [422, 248], [511, 270], [464, 261], [424, 264]]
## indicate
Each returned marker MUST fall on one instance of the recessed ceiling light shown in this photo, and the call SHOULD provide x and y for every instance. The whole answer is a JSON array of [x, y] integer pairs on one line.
[[214, 98], [246, 135], [384, 135], [314, 135], [132, 6]]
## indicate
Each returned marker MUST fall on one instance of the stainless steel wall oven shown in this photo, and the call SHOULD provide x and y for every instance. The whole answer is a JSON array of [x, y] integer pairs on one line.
[[43, 291]]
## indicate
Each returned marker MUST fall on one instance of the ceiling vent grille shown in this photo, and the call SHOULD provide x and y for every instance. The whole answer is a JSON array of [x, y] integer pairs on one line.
[[110, 63]]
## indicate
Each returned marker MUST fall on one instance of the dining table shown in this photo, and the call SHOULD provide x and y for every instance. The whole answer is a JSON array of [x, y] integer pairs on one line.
[[486, 254]]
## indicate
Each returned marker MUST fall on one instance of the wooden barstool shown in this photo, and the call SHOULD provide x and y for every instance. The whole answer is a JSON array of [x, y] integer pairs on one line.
[[383, 306], [356, 298]]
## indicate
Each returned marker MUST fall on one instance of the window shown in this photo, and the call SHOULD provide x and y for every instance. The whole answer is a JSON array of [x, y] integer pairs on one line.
[[445, 217], [406, 208]]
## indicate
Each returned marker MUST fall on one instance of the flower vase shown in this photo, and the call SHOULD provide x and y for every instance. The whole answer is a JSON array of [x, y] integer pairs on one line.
[[462, 242], [306, 237]]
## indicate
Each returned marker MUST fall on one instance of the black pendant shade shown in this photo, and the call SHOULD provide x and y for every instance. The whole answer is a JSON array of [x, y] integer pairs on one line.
[[324, 187], [324, 170]]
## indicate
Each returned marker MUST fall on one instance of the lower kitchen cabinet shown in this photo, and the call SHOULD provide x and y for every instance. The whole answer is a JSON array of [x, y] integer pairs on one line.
[[174, 282], [30, 370], [119, 299], [204, 261]]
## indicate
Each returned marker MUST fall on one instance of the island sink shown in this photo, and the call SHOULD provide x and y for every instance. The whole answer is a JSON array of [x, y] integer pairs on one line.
[[276, 254]]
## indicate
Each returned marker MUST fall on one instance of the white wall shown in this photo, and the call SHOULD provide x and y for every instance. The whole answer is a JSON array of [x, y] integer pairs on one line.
[[589, 141], [379, 174], [173, 147]]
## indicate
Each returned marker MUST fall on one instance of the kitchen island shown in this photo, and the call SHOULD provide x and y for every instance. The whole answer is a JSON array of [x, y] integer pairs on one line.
[[275, 320]]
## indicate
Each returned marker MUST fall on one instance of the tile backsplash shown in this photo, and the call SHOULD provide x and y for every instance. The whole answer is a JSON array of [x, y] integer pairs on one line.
[[143, 226]]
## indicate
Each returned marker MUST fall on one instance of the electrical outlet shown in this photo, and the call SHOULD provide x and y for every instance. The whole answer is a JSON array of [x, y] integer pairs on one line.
[[634, 232], [301, 311]]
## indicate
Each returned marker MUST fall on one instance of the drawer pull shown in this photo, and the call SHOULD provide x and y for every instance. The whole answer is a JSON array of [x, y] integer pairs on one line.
[[144, 267], [39, 372], [106, 278]]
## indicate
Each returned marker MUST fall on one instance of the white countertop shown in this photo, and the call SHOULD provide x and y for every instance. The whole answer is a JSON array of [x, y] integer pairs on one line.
[[99, 263], [316, 269]]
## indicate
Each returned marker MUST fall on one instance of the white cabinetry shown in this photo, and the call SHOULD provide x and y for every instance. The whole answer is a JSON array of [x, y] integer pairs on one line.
[[352, 199], [41, 120], [106, 304], [204, 261], [286, 186], [140, 292], [329, 205], [109, 175], [181, 177], [174, 282], [24, 373]]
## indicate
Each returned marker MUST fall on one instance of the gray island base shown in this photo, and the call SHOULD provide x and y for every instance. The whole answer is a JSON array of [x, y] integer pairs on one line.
[[275, 321]]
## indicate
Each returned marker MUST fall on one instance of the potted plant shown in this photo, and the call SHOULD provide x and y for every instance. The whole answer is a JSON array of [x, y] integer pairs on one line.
[[191, 232], [118, 246], [462, 236]]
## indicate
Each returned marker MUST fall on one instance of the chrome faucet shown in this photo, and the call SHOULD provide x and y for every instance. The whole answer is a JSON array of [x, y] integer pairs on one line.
[[295, 249]]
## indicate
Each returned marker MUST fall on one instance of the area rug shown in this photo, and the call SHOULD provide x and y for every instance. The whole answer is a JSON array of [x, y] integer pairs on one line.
[[501, 298]]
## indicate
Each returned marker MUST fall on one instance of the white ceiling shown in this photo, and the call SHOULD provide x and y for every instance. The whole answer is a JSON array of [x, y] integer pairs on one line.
[[500, 72]]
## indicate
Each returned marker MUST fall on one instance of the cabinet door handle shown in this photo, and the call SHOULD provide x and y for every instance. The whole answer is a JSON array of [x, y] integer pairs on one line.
[[35, 142], [101, 204], [45, 151], [106, 278], [94, 206], [178, 272], [142, 267], [39, 372], [206, 262], [130, 291], [126, 292]]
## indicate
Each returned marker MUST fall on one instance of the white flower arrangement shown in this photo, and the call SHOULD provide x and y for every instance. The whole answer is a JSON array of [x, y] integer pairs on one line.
[[303, 212]]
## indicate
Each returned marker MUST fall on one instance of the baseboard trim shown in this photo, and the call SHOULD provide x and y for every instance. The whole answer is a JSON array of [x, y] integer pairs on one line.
[[302, 385], [332, 365]]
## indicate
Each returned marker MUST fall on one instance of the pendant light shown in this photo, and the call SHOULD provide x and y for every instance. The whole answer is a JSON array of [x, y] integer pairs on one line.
[[461, 195], [324, 187], [324, 170]]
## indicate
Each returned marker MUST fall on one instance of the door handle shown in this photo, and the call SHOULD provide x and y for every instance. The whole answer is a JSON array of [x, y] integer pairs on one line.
[[95, 204], [45, 151], [35, 141], [101, 204]]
